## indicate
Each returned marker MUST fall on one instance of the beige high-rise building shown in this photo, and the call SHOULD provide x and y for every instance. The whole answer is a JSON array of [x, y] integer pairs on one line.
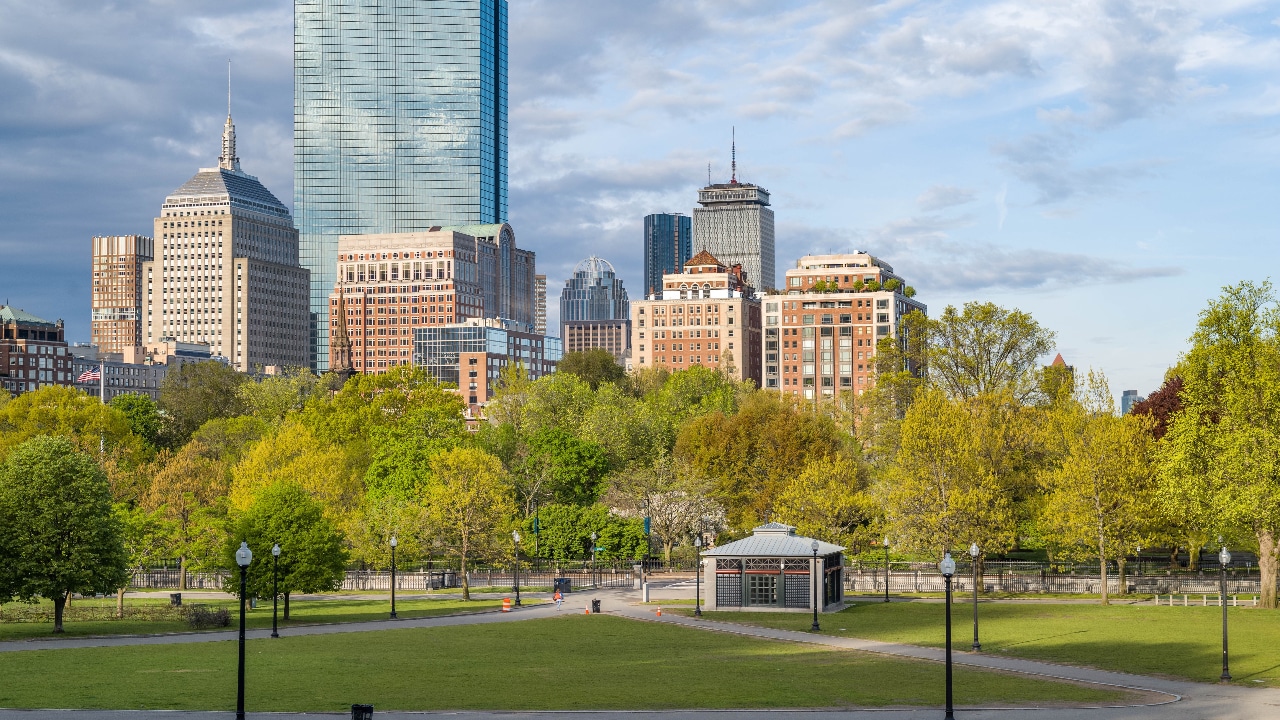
[[540, 304], [227, 270], [117, 291], [706, 315]]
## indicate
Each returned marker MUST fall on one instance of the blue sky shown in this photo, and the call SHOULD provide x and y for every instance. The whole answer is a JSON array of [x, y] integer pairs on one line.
[[1106, 166]]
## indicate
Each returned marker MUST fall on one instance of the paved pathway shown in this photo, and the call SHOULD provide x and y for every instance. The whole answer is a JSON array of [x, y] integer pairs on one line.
[[1169, 699]]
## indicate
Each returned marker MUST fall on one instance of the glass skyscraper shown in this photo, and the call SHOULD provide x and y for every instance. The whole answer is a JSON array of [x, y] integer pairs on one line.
[[400, 124], [668, 245]]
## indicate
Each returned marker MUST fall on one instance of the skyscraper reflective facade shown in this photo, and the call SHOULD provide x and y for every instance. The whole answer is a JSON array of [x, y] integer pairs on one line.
[[400, 125], [668, 245]]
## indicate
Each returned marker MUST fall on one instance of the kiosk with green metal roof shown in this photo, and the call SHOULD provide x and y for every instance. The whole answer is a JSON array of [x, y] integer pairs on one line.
[[774, 569]]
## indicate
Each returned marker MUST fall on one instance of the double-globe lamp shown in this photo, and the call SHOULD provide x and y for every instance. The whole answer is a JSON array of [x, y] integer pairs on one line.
[[948, 568], [697, 576], [275, 587], [814, 547], [974, 552], [244, 556], [1224, 559], [394, 543]]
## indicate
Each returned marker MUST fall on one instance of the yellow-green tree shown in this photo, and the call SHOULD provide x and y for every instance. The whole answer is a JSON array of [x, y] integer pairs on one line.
[[65, 412], [188, 493], [1220, 460], [1100, 497], [294, 454], [828, 499], [941, 492], [469, 504]]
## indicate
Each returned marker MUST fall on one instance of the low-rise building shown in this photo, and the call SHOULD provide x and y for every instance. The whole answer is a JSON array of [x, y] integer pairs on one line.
[[137, 370], [472, 354], [820, 337], [774, 569], [611, 335], [33, 352], [706, 315]]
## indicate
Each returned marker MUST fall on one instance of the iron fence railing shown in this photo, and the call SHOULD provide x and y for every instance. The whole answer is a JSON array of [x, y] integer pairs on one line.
[[930, 580]]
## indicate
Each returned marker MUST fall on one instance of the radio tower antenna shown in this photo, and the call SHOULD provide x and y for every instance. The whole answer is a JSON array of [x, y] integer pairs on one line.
[[734, 155]]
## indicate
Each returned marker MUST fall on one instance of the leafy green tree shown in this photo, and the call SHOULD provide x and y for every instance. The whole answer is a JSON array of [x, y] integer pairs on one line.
[[402, 451], [830, 499], [1101, 496], [188, 496], [594, 367], [1220, 461], [986, 348], [469, 505], [143, 535], [677, 500], [64, 412], [574, 469], [293, 454], [196, 393], [143, 414], [312, 555], [61, 532], [273, 397], [564, 533]]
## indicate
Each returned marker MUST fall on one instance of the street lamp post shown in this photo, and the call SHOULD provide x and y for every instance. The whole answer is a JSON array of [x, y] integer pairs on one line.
[[275, 587], [886, 568], [394, 543], [814, 547], [515, 570], [948, 568], [1224, 559], [593, 559], [973, 553], [1139, 560], [697, 577], [244, 556]]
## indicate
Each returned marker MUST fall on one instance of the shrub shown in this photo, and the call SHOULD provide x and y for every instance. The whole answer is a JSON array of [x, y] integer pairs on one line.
[[200, 617]]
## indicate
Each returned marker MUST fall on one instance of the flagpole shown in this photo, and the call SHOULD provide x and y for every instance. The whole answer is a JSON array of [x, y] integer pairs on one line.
[[102, 397]]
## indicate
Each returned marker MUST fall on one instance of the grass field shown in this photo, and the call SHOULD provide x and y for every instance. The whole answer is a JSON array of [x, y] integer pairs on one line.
[[1148, 640], [147, 615], [570, 662]]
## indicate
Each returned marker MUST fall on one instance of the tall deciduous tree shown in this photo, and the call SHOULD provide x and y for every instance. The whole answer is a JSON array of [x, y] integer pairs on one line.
[[941, 493], [986, 348], [469, 504], [594, 367], [196, 393], [273, 397], [1100, 498], [294, 454], [1220, 461], [188, 493], [65, 412], [143, 414], [675, 498], [62, 534], [312, 555], [829, 499]]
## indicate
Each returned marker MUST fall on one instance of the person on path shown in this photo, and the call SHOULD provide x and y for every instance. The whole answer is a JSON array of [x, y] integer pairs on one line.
[[559, 598]]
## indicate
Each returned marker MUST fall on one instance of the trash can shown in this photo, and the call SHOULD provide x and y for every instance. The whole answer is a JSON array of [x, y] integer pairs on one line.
[[175, 599], [595, 607], [361, 712], [562, 584]]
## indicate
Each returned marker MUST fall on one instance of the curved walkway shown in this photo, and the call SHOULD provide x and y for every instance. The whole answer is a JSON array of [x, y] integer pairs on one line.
[[1175, 699]]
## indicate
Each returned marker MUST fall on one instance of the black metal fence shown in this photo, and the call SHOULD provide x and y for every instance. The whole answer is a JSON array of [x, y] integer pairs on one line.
[[579, 577], [928, 579]]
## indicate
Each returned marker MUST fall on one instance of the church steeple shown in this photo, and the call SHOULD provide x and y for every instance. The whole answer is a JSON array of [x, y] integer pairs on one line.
[[228, 160], [341, 342]]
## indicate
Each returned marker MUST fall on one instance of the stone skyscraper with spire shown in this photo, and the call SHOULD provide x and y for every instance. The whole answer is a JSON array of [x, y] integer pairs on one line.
[[735, 224], [226, 269]]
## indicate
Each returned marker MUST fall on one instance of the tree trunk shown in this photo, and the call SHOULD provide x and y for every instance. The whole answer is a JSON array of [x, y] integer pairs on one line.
[[1122, 580], [980, 583], [286, 605], [1268, 554], [466, 584], [1173, 556], [182, 572], [666, 551], [1102, 562], [59, 603], [120, 603]]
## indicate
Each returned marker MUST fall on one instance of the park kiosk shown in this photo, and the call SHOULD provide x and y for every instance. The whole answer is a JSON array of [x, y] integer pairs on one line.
[[774, 569]]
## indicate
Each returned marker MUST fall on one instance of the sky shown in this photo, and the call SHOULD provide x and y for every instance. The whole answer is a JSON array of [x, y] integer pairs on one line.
[[1107, 166]]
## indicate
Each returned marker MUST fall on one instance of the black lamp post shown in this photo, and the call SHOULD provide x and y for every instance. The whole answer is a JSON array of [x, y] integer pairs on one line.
[[394, 543], [244, 556], [697, 577], [886, 568], [814, 547], [593, 559], [515, 569], [948, 568], [974, 552], [275, 587], [1224, 559], [1139, 559]]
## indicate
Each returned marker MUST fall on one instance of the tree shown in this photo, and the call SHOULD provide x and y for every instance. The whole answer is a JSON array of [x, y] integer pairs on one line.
[[594, 366], [187, 494], [196, 393], [986, 348], [469, 504], [573, 469], [1100, 498], [940, 493], [564, 533], [62, 533], [64, 412], [142, 533], [293, 453], [677, 501], [1161, 406], [402, 451], [273, 397], [1220, 461], [828, 499], [143, 415], [312, 556]]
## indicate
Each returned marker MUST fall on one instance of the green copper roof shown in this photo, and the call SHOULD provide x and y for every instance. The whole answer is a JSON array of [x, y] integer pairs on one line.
[[8, 313]]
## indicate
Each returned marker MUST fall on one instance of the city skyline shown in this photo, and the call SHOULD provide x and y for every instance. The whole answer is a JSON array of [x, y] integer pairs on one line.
[[974, 147]]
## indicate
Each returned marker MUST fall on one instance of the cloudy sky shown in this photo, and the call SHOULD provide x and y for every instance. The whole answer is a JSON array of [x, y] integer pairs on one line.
[[1104, 165]]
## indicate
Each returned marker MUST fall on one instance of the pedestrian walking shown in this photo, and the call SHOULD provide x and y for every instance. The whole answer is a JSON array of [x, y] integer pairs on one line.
[[559, 598]]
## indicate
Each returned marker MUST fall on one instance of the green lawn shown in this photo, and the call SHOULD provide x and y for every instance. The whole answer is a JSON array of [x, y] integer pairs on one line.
[[147, 615], [1144, 639], [565, 663]]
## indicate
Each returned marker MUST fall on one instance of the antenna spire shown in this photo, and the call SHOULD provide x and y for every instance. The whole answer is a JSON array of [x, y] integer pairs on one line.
[[708, 173], [734, 154], [228, 87], [228, 159]]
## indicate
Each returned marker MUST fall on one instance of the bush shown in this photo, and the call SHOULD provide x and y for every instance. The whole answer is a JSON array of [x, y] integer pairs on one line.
[[200, 617]]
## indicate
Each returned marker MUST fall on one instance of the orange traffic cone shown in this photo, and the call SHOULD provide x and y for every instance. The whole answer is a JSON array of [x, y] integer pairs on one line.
[[659, 611], [506, 604], [587, 608]]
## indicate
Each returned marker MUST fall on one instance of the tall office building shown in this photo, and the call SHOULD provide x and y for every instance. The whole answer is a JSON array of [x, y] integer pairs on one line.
[[116, 322], [735, 224], [668, 245], [400, 125], [594, 309], [540, 304], [1128, 399], [227, 273]]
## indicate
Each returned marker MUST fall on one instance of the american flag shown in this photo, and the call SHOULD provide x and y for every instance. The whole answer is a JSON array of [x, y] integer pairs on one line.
[[90, 375]]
